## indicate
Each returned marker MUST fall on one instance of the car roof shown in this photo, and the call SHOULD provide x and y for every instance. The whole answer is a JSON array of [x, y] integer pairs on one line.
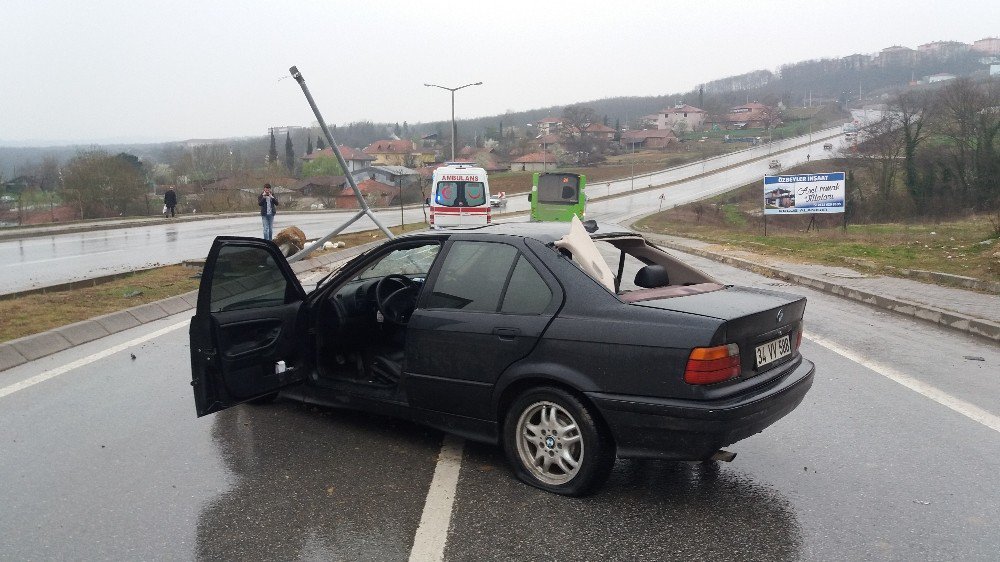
[[544, 232]]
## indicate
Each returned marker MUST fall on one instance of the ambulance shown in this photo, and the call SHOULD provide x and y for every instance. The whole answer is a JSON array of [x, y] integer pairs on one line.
[[460, 196]]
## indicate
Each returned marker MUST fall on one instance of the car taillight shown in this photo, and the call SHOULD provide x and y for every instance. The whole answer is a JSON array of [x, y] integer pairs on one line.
[[489, 215], [707, 365], [798, 336]]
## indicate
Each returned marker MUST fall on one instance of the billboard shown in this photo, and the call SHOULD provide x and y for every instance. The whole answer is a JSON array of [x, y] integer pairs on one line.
[[804, 193]]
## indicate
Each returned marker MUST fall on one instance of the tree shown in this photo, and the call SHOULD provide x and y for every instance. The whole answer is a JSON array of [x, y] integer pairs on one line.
[[322, 166], [912, 110], [971, 120], [320, 145], [272, 153], [576, 118], [289, 153], [98, 184], [309, 147]]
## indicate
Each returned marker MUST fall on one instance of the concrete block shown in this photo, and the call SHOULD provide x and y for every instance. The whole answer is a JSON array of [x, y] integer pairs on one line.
[[40, 345], [9, 357], [191, 299], [174, 305], [147, 312], [82, 332], [117, 321]]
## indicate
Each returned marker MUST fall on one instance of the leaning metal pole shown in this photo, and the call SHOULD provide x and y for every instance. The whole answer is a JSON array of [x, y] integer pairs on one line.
[[362, 204]]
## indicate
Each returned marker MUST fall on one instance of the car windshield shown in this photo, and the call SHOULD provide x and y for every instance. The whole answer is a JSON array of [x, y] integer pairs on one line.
[[413, 261]]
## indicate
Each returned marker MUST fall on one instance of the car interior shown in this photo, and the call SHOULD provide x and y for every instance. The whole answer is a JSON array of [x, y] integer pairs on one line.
[[360, 330]]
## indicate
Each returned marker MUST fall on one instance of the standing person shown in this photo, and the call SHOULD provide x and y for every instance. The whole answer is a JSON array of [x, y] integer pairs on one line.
[[268, 207], [170, 202]]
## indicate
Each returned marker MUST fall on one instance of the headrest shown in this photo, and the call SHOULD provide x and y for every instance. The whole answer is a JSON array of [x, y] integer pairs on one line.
[[652, 276]]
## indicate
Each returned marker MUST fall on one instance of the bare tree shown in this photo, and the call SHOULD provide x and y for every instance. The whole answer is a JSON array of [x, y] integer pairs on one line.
[[912, 113]]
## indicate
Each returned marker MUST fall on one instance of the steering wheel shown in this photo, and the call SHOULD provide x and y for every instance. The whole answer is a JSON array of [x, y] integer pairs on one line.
[[396, 298]]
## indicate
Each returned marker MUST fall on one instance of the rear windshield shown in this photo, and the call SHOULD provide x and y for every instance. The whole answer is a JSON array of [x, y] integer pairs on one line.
[[460, 193], [558, 190]]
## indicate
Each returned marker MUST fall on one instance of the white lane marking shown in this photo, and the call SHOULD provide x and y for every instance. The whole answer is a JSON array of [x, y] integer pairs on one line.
[[52, 373], [973, 412], [432, 533]]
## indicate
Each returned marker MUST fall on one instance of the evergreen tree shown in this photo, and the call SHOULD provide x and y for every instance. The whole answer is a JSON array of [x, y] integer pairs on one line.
[[606, 122], [320, 145], [309, 146], [701, 96], [272, 154], [289, 152]]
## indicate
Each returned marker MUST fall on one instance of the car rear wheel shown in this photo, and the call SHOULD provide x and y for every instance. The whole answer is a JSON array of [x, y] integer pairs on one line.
[[554, 442]]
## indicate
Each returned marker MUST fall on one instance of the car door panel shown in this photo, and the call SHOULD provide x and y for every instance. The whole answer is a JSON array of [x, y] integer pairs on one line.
[[455, 355], [245, 339]]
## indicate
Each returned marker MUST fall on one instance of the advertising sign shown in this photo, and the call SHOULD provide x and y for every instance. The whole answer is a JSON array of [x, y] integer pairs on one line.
[[804, 193]]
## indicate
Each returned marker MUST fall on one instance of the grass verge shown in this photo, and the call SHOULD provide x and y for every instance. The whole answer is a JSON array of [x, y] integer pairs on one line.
[[968, 246]]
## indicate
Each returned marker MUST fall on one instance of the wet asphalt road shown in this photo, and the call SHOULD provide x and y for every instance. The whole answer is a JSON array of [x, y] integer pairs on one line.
[[108, 461]]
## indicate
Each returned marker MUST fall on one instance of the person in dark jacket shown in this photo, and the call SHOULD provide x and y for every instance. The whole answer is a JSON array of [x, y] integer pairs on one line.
[[268, 208], [170, 202]]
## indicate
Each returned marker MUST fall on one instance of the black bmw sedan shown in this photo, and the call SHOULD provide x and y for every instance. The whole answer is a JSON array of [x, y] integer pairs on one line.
[[566, 346]]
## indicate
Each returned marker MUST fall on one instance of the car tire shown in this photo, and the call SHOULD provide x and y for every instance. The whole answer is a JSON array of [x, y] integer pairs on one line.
[[555, 442]]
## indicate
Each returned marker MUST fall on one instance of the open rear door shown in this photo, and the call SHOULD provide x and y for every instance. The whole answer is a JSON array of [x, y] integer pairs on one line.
[[245, 340]]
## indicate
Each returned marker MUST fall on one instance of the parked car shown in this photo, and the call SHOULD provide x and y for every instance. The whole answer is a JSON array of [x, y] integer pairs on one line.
[[828, 146], [567, 348], [774, 165], [498, 200]]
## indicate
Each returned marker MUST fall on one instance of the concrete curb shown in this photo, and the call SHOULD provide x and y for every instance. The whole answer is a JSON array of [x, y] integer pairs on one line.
[[22, 350], [954, 320]]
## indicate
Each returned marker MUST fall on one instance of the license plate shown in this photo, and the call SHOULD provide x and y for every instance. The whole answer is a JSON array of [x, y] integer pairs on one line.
[[773, 350]]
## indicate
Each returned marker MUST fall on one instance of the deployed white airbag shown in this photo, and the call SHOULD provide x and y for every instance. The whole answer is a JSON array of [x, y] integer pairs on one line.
[[586, 254]]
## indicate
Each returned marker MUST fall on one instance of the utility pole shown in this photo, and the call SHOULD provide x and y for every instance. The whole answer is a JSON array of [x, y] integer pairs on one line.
[[453, 128]]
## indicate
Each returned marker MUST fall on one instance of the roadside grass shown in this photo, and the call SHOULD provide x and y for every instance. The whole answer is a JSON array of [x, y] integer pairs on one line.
[[35, 313], [967, 246]]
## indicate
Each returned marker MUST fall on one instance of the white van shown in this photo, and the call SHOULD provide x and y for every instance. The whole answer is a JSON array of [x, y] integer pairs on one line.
[[460, 196]]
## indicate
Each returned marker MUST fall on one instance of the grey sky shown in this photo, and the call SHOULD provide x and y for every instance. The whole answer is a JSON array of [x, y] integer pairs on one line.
[[145, 71]]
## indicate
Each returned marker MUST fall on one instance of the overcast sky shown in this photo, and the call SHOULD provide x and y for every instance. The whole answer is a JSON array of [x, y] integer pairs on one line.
[[132, 71]]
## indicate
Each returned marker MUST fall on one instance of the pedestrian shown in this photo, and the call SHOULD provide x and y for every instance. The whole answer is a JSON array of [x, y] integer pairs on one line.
[[268, 207], [169, 202], [807, 157]]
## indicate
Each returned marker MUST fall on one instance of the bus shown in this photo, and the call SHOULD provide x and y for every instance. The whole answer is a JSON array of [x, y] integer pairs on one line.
[[557, 196]]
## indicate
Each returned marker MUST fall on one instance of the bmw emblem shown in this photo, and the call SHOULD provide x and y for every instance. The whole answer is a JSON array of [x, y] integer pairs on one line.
[[781, 314], [550, 442]]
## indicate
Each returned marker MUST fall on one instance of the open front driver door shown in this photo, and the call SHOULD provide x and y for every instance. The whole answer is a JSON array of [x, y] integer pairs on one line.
[[243, 335]]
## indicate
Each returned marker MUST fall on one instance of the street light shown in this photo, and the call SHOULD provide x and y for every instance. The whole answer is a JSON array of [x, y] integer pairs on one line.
[[453, 90]]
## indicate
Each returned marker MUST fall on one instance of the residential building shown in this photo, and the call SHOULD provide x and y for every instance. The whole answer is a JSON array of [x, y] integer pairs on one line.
[[393, 153], [650, 138], [896, 55], [376, 193], [751, 115], [391, 175], [549, 125], [485, 158], [549, 142], [682, 117], [355, 158], [940, 77], [943, 48], [534, 162], [597, 130], [647, 121], [321, 186], [989, 46]]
